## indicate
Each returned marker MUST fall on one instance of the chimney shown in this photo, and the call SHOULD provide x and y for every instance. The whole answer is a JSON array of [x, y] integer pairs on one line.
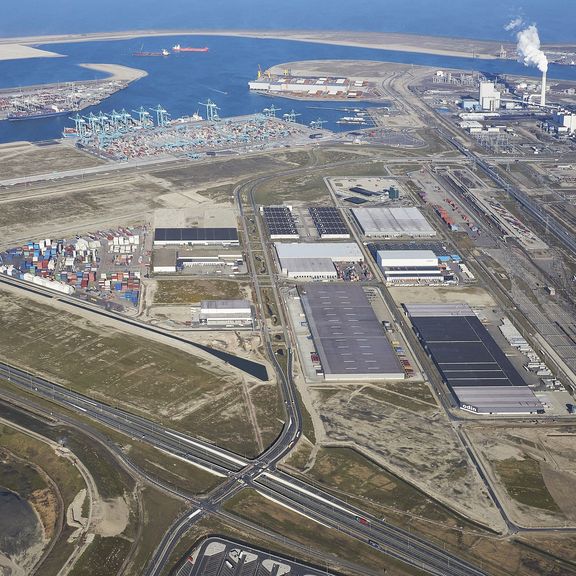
[[543, 93]]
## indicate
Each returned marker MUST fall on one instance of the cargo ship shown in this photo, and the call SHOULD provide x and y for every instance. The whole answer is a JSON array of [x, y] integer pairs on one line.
[[179, 48], [35, 114], [147, 54]]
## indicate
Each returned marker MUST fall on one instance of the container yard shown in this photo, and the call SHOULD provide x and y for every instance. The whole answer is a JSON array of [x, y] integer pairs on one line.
[[31, 102], [104, 267], [152, 134], [313, 87]]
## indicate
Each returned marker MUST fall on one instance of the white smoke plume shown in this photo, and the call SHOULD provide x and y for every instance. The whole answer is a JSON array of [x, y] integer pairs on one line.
[[514, 24], [528, 49]]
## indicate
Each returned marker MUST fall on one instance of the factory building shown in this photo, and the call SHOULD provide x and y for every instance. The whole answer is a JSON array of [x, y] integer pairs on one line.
[[489, 97], [382, 222], [170, 260], [309, 268], [409, 266], [196, 236], [565, 123], [347, 334], [226, 313], [478, 373], [315, 260], [308, 86]]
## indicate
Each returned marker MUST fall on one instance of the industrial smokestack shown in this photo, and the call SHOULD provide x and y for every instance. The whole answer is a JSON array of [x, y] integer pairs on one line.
[[543, 92]]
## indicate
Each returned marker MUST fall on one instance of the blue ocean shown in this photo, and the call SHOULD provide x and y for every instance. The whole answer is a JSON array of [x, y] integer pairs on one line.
[[180, 82]]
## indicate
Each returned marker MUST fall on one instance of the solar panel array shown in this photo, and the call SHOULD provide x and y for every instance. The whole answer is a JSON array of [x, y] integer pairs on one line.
[[329, 222], [280, 221], [195, 235]]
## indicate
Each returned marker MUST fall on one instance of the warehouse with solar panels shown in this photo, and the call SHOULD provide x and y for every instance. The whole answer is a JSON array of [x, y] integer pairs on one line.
[[280, 222], [315, 260], [329, 222], [382, 222], [347, 334], [477, 372]]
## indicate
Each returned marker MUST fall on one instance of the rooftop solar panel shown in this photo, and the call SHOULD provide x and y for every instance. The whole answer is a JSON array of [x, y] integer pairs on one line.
[[195, 234], [279, 221], [329, 221]]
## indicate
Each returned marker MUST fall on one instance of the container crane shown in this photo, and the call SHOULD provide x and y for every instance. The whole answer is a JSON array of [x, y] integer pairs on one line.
[[162, 116], [291, 116], [271, 112], [143, 116], [317, 124], [211, 110]]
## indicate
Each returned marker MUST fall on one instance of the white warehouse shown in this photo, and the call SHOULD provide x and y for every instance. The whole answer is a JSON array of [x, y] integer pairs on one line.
[[409, 266], [226, 313], [315, 260]]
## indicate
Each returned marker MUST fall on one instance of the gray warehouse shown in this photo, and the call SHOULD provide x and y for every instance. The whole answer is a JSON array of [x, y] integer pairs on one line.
[[480, 376], [382, 222], [348, 337]]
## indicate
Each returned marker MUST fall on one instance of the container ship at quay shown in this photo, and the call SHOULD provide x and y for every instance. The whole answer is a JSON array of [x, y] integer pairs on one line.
[[35, 114], [178, 48]]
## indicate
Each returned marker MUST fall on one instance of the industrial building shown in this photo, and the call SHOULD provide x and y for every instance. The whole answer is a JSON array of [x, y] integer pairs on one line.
[[564, 124], [315, 260], [280, 222], [489, 97], [329, 222], [347, 334], [309, 86], [382, 222], [226, 313], [170, 260], [409, 266], [477, 372], [196, 236]]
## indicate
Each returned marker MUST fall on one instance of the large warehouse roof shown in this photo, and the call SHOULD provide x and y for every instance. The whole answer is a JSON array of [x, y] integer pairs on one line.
[[195, 235], [388, 222], [509, 400], [469, 358], [347, 334], [405, 258], [295, 267], [336, 251]]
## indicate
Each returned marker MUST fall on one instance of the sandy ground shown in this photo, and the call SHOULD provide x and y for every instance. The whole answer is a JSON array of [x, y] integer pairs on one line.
[[473, 296], [19, 52], [121, 73], [414, 441]]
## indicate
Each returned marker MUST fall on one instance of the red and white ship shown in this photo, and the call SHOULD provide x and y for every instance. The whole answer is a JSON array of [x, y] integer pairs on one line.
[[179, 48]]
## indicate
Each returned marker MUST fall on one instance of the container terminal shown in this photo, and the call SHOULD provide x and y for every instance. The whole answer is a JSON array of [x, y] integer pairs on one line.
[[312, 87], [35, 102], [151, 133]]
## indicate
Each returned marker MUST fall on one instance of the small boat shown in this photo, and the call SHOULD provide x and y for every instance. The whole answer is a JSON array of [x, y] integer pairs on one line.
[[178, 48]]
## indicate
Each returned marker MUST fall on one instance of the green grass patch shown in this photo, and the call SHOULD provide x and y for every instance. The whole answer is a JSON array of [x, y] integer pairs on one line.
[[524, 483], [142, 376], [186, 291], [396, 399], [269, 409], [159, 510], [103, 557]]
